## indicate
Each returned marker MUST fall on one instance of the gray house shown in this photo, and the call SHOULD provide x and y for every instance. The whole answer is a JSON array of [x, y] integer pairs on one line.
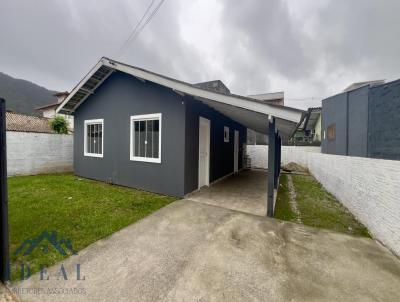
[[363, 121], [140, 129], [274, 98], [308, 132]]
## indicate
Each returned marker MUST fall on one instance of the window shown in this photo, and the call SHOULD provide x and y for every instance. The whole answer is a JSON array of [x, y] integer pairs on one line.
[[94, 135], [226, 134], [331, 132], [146, 138]]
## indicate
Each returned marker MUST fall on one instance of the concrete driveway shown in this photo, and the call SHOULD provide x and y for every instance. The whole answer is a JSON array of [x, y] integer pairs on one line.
[[245, 192], [191, 251]]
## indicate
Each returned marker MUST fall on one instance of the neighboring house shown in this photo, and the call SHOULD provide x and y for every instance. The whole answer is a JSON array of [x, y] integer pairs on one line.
[[216, 86], [309, 130], [49, 110], [274, 98], [140, 129], [363, 122], [316, 128], [26, 123]]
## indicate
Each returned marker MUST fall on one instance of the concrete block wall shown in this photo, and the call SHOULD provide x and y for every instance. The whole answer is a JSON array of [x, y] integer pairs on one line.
[[369, 188], [31, 153]]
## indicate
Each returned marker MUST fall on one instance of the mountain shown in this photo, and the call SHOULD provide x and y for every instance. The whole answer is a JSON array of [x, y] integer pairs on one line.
[[23, 96]]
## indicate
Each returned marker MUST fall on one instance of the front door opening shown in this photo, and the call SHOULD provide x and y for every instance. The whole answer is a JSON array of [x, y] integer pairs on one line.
[[204, 152]]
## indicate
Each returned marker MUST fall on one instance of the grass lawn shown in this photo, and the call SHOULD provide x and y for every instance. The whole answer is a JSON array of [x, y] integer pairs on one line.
[[317, 207], [80, 210]]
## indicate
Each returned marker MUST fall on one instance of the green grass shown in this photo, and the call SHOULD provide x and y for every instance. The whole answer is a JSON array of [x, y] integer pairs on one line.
[[317, 207], [80, 210]]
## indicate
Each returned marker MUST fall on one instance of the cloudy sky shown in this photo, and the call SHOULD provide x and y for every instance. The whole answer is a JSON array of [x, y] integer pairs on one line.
[[309, 49]]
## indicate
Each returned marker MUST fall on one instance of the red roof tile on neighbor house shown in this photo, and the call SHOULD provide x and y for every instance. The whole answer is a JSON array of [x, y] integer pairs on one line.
[[26, 123]]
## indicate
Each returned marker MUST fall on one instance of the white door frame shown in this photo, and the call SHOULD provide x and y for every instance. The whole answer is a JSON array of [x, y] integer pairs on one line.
[[207, 123], [236, 152]]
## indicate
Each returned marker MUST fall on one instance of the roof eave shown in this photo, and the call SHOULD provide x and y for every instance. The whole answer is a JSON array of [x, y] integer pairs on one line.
[[242, 102], [286, 113]]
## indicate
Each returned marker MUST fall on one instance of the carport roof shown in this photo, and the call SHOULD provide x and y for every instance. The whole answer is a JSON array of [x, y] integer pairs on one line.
[[249, 112]]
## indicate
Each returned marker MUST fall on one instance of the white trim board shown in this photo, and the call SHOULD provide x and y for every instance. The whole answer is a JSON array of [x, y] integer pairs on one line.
[[143, 117], [91, 122], [285, 113]]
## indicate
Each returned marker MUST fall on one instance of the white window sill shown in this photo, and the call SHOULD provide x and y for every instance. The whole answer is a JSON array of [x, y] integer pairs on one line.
[[93, 155], [146, 159]]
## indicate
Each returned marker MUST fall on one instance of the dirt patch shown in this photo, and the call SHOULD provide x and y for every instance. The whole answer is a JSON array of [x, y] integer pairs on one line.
[[292, 197], [294, 168]]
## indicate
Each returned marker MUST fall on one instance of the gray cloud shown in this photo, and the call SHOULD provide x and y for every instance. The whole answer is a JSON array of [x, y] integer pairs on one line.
[[305, 48], [312, 53], [263, 41], [56, 43]]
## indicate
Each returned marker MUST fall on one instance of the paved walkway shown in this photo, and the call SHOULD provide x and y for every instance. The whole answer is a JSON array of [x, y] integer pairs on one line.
[[245, 192], [191, 251]]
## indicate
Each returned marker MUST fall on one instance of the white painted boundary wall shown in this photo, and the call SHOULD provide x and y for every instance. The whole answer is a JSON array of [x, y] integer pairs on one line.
[[31, 153], [369, 188], [259, 154]]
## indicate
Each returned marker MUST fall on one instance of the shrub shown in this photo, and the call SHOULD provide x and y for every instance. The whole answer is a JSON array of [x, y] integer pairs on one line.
[[59, 124]]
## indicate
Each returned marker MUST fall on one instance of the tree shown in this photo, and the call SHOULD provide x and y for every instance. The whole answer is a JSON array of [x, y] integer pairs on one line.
[[59, 124]]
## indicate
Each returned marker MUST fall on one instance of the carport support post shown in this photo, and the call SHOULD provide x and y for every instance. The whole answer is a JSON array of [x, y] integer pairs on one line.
[[271, 166], [4, 253], [279, 155], [276, 160]]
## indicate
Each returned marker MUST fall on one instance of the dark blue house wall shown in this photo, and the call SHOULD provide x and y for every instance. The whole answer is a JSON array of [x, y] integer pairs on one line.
[[358, 122], [334, 113], [122, 96], [367, 122], [221, 153], [118, 98], [384, 121]]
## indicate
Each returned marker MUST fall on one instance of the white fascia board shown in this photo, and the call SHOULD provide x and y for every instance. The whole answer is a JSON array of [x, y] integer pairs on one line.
[[80, 84], [282, 113], [287, 114]]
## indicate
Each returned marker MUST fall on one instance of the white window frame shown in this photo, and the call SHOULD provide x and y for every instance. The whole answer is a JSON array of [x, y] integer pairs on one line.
[[144, 117], [226, 137], [87, 123]]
